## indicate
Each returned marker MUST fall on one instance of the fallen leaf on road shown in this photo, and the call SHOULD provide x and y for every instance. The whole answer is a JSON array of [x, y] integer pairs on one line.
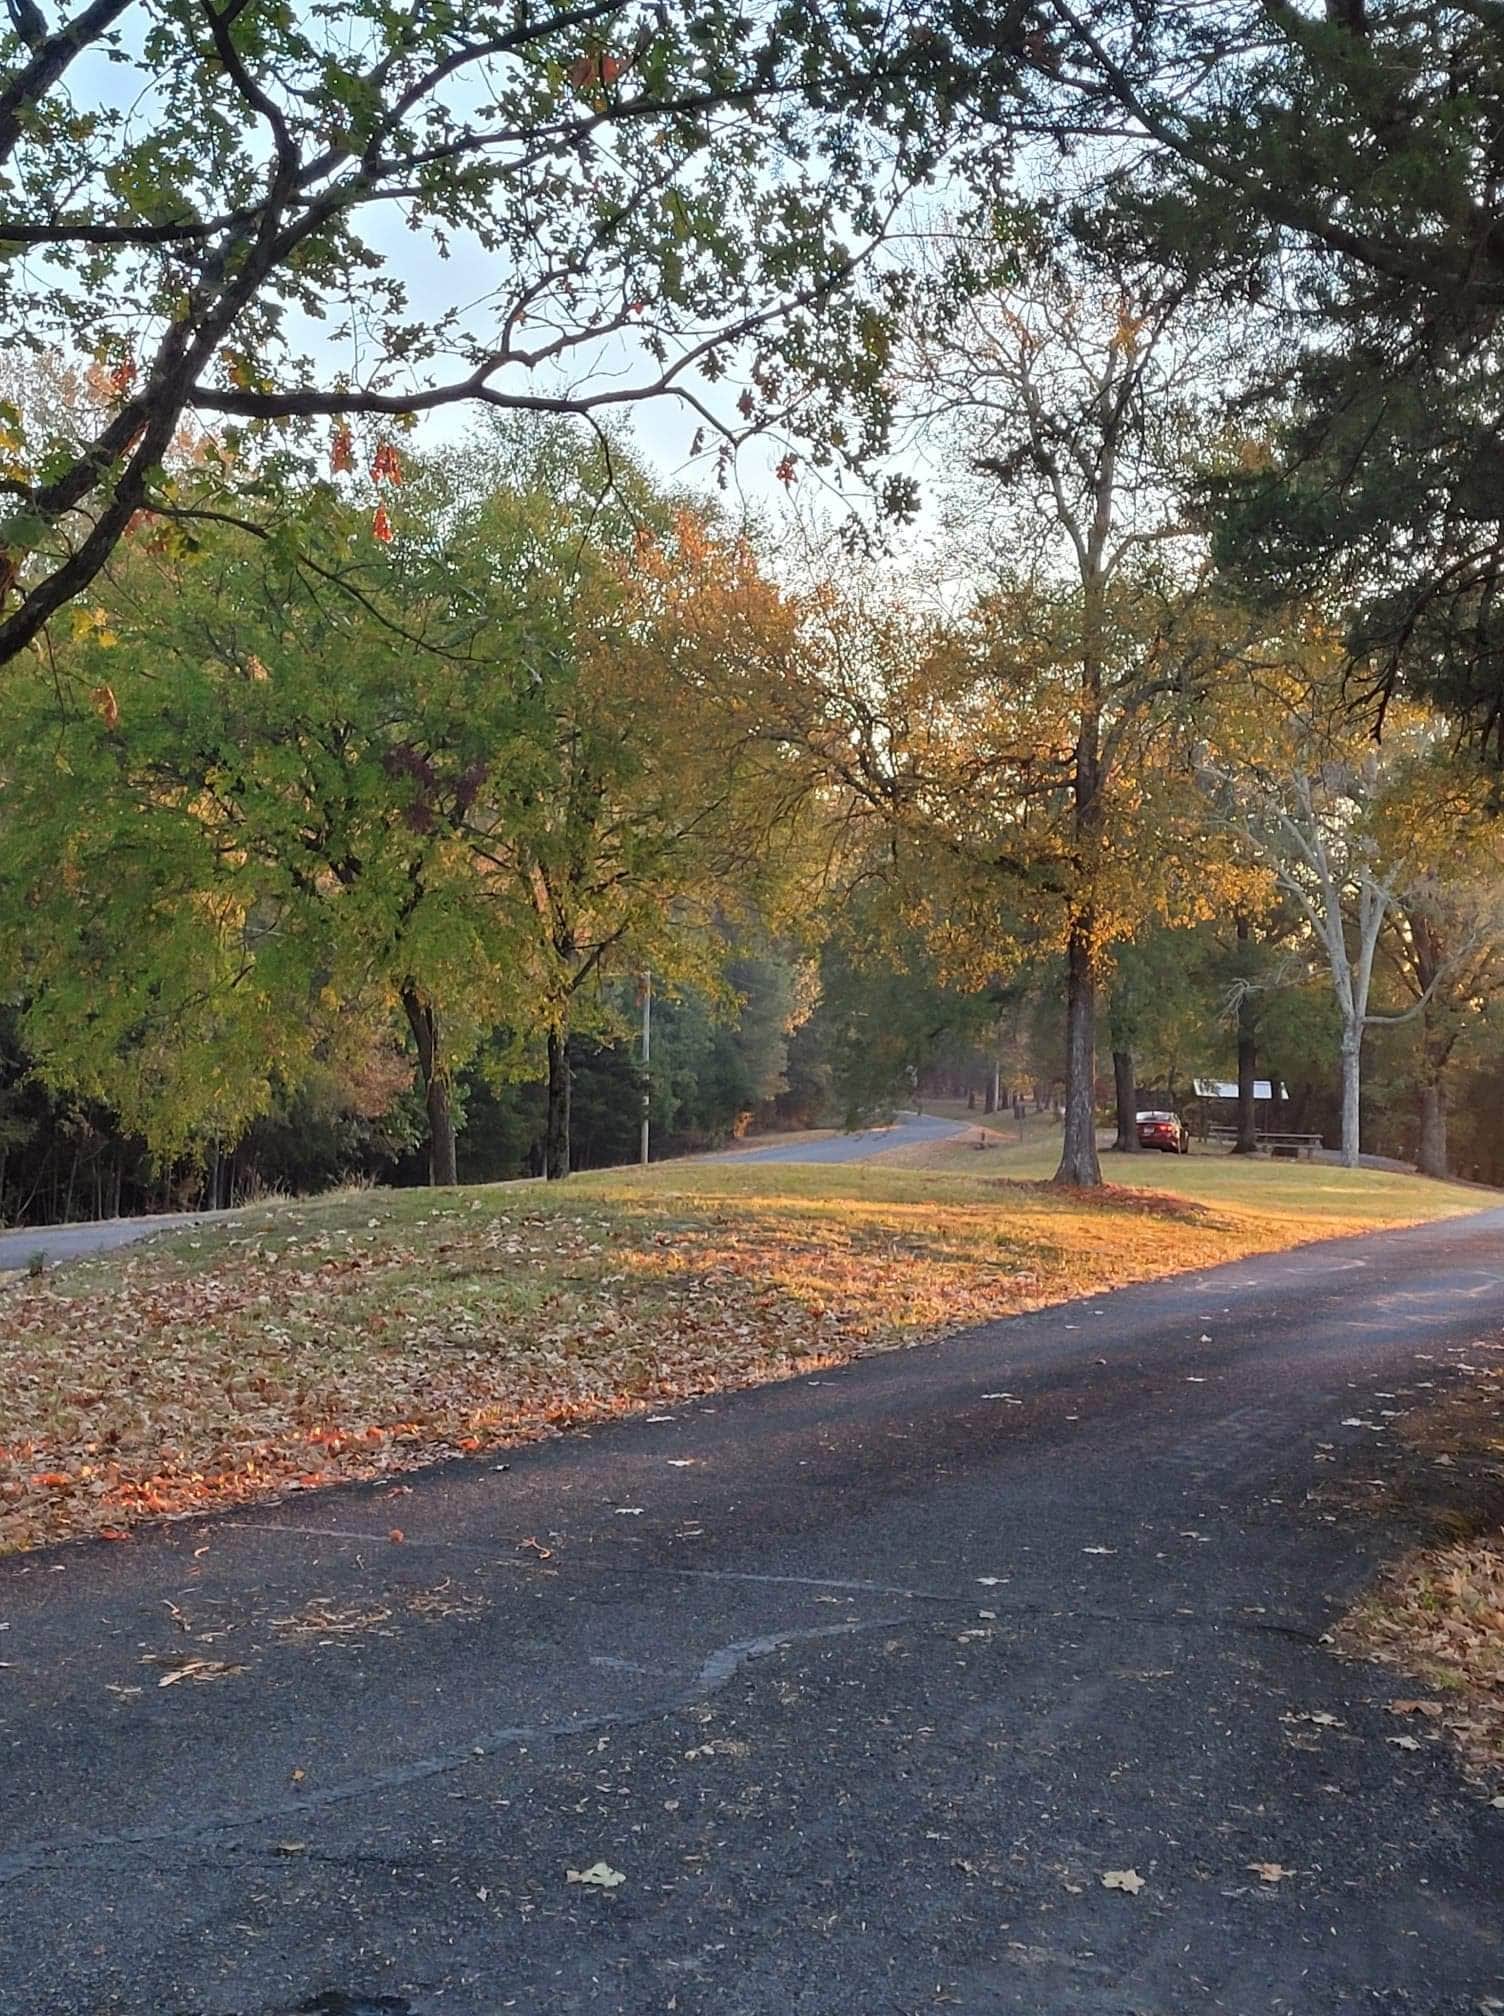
[[1122, 1879], [292, 1847], [1317, 1715], [600, 1876], [113, 1533], [396, 1534], [681, 1462], [1099, 1550], [1431, 1708], [1269, 1872], [199, 1669], [628, 1511], [1403, 1742]]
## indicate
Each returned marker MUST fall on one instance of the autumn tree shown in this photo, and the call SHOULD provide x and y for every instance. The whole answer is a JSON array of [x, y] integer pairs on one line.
[[1442, 943], [1075, 397], [660, 814], [1355, 834]]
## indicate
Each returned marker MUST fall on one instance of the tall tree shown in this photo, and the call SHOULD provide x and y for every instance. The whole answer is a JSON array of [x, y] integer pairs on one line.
[[286, 765], [661, 816], [1076, 397]]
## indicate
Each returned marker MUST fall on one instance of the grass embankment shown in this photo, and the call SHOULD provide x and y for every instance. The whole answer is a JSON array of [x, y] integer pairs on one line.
[[293, 1346]]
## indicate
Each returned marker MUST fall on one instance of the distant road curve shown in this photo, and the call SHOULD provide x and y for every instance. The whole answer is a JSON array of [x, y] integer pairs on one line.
[[908, 1130]]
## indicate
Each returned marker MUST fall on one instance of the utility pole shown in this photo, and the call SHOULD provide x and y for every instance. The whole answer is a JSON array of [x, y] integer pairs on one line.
[[645, 993]]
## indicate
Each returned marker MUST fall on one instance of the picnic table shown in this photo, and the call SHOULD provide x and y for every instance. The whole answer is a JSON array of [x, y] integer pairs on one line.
[[1287, 1146]]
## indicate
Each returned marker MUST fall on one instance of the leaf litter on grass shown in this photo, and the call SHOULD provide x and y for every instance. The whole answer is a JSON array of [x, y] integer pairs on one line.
[[347, 1339]]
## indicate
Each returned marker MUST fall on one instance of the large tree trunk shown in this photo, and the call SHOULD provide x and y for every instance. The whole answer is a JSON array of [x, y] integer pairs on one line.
[[1126, 1091], [423, 1020], [556, 1133], [989, 1096], [1352, 1053], [1078, 1155], [1432, 1160]]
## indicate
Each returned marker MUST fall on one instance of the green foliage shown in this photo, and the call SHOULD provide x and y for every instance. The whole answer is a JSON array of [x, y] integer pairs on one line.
[[1335, 186], [294, 783], [203, 202]]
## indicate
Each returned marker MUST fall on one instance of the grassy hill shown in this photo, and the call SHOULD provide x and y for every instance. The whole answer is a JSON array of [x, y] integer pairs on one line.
[[294, 1346]]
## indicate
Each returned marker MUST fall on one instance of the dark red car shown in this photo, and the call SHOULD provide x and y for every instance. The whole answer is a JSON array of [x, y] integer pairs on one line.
[[1166, 1131]]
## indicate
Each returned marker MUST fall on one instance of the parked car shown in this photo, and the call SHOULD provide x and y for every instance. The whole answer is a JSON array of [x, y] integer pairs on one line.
[[1166, 1131]]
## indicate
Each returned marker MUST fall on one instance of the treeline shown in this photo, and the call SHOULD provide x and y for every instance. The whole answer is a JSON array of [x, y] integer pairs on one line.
[[350, 782], [343, 847], [714, 1072]]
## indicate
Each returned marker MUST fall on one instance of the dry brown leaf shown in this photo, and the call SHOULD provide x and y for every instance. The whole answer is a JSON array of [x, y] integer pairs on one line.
[[1270, 1872], [200, 1669], [1122, 1879], [599, 1876]]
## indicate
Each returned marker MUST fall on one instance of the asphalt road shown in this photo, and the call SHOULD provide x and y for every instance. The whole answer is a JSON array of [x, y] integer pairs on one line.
[[906, 1130], [58, 1243], [860, 1681], [93, 1235]]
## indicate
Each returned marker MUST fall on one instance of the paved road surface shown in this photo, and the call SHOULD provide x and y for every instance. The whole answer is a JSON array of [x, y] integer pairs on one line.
[[862, 1681], [71, 1242], [908, 1130]]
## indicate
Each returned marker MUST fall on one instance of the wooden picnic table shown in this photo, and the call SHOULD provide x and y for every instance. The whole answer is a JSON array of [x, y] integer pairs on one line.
[[1276, 1140]]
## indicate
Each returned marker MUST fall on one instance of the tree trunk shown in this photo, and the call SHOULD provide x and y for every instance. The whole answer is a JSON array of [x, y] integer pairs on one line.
[[989, 1096], [1124, 1080], [1432, 1160], [424, 1023], [1352, 1051], [1247, 1142], [556, 1132], [1078, 1155]]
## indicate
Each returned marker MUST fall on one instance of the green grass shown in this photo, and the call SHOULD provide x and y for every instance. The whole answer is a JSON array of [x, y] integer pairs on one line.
[[1346, 1199]]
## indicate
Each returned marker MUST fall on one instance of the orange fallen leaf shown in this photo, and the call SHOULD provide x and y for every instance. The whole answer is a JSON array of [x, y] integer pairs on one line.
[[396, 1534]]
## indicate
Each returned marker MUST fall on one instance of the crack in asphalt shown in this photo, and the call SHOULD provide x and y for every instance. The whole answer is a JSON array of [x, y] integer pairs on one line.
[[716, 1669]]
